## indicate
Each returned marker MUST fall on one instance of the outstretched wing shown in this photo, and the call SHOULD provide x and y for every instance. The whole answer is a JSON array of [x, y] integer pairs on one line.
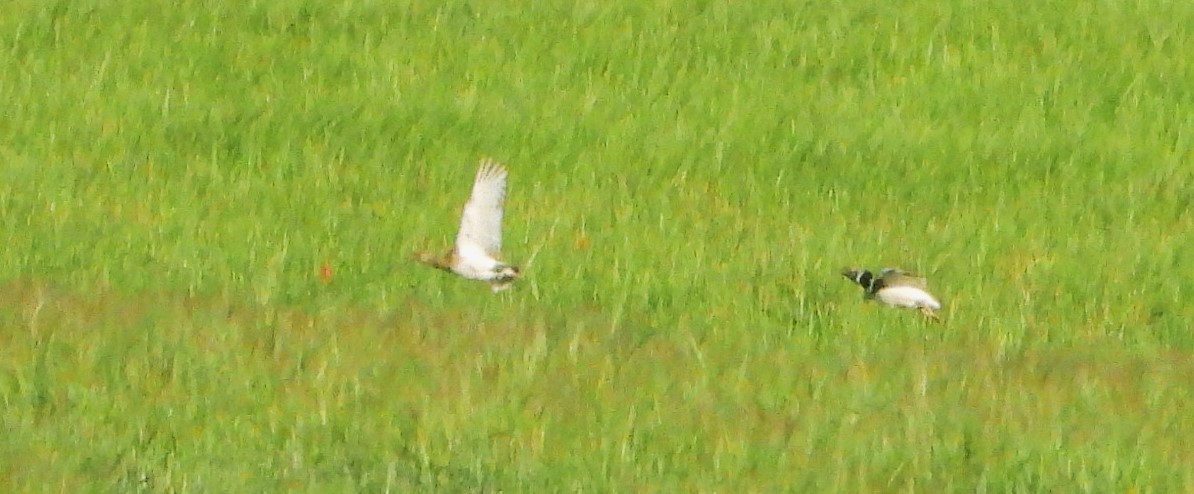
[[481, 223], [899, 277]]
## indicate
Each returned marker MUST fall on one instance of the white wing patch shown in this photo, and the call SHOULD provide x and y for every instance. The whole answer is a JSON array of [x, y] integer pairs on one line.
[[481, 222], [908, 296]]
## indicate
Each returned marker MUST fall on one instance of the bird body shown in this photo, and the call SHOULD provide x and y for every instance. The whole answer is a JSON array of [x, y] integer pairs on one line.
[[896, 288], [477, 251], [908, 297]]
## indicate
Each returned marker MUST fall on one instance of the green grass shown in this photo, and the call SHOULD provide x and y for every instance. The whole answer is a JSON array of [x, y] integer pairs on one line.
[[688, 178]]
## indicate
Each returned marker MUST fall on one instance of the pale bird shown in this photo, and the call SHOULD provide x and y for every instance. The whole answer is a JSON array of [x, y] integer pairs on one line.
[[896, 288], [477, 252]]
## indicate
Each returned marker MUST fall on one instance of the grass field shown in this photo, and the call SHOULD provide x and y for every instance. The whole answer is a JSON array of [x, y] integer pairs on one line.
[[688, 178]]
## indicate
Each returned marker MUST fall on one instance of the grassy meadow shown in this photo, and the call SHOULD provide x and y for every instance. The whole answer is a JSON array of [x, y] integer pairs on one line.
[[179, 179]]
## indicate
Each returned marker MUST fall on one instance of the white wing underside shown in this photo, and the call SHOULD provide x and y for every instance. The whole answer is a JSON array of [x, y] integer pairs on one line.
[[475, 265], [480, 233], [908, 296]]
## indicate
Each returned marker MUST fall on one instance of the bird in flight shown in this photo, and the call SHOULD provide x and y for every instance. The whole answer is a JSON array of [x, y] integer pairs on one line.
[[479, 243], [896, 288]]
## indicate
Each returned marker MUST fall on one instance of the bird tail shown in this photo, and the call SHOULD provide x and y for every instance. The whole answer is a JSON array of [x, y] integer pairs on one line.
[[431, 260]]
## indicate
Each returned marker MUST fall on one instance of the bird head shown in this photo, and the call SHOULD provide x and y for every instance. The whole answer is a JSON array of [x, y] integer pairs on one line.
[[860, 276], [506, 271], [506, 274]]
